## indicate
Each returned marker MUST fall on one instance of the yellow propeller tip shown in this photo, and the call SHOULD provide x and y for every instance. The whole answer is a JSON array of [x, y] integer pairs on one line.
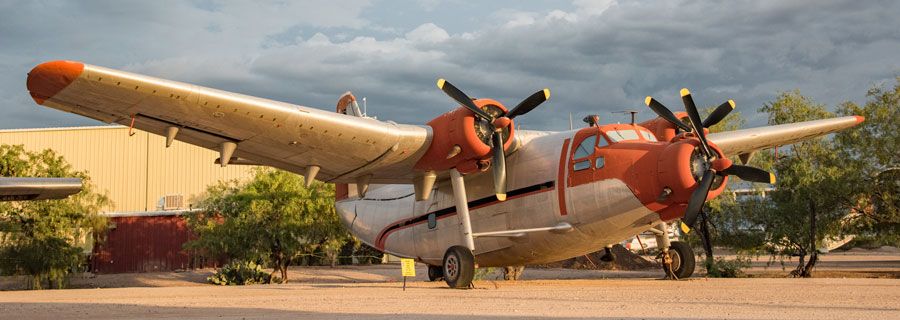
[[731, 103], [685, 228], [440, 83], [546, 93], [647, 100], [501, 196], [771, 178], [685, 91]]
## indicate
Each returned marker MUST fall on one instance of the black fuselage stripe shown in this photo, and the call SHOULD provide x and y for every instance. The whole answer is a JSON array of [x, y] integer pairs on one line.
[[475, 203]]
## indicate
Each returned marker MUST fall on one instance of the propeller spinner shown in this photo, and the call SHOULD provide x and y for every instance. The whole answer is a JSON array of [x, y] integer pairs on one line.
[[499, 122]]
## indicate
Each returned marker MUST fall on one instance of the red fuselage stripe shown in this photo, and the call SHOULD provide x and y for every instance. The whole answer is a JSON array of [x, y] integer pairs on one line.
[[560, 178]]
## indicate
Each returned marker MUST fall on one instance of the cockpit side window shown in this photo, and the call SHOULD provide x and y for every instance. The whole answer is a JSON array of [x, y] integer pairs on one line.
[[586, 147], [583, 151]]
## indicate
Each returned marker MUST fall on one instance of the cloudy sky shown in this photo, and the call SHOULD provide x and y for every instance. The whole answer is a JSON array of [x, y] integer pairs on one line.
[[596, 56]]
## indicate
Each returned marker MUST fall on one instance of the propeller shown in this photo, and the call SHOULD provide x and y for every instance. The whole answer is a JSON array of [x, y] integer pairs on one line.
[[498, 160], [697, 126]]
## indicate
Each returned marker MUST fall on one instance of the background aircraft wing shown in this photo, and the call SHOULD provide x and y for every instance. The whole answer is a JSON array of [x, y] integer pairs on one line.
[[19, 189], [265, 132], [745, 141]]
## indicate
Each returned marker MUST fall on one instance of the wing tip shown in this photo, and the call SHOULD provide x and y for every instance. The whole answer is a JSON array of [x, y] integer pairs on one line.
[[859, 119], [49, 78]]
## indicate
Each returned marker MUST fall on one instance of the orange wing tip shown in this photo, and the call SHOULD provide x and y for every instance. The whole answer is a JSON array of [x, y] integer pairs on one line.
[[49, 78], [647, 100], [440, 83], [731, 103], [546, 93], [685, 91], [860, 119]]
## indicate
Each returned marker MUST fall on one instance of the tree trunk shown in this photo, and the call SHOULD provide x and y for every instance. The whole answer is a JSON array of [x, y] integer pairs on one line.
[[814, 252]]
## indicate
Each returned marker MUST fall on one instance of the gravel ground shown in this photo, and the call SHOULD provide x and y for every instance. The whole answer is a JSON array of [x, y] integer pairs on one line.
[[374, 292], [610, 298]]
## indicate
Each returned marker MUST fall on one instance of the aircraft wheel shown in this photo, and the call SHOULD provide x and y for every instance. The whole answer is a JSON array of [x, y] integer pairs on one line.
[[435, 273], [683, 260], [459, 267]]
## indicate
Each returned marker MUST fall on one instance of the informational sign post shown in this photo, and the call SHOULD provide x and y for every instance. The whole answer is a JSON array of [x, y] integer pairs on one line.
[[408, 269]]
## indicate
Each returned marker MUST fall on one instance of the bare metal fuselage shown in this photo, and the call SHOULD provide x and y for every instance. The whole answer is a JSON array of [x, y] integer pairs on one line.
[[601, 213]]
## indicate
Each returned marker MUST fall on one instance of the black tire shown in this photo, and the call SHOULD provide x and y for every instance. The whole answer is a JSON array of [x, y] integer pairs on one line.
[[459, 267], [435, 273], [683, 259]]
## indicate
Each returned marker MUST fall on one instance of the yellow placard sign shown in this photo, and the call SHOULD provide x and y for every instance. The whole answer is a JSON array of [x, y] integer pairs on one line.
[[408, 267]]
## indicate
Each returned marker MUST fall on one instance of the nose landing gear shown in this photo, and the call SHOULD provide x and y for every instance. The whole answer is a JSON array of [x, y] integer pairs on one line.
[[677, 257]]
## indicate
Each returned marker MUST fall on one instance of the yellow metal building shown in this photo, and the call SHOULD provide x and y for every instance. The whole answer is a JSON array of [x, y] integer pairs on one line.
[[135, 171]]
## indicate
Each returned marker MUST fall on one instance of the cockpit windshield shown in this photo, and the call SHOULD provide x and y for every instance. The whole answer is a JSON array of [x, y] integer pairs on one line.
[[622, 135], [629, 134]]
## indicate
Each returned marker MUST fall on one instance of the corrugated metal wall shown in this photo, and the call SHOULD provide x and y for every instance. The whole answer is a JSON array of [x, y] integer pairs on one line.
[[145, 244], [135, 171]]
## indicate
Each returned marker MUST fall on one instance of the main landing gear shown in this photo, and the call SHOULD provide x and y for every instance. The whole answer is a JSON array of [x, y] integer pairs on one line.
[[459, 267], [677, 257]]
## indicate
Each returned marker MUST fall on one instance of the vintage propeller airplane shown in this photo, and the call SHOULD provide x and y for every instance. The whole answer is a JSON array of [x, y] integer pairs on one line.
[[423, 192]]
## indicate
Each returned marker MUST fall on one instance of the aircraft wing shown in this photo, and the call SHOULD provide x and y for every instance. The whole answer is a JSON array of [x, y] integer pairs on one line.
[[265, 132], [19, 189], [745, 141]]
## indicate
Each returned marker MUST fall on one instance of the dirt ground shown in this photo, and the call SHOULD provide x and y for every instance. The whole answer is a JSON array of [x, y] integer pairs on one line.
[[374, 292]]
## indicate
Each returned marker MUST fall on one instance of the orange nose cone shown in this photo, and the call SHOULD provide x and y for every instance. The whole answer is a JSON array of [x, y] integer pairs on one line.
[[49, 78]]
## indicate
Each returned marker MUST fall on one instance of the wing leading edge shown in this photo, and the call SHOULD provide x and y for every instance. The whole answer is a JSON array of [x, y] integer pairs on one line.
[[746, 141], [266, 132]]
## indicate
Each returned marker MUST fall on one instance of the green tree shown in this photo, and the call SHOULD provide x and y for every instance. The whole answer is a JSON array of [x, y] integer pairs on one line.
[[272, 219], [810, 200], [872, 152], [42, 238]]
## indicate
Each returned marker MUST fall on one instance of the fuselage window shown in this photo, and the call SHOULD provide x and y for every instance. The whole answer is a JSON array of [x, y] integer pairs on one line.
[[581, 165], [432, 221], [600, 162]]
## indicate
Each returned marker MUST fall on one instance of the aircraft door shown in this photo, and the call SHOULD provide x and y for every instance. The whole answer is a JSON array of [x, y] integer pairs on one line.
[[432, 236], [582, 171]]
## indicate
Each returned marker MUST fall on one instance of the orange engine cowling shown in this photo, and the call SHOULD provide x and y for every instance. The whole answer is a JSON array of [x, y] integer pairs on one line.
[[461, 141], [680, 169]]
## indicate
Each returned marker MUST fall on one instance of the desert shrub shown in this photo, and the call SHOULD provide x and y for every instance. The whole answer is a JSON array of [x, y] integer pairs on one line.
[[721, 268], [240, 273]]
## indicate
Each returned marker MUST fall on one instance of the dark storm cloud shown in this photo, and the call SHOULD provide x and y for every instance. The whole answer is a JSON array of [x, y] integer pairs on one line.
[[596, 56]]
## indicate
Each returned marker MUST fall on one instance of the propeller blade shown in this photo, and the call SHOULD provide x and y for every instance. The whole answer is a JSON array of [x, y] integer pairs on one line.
[[665, 113], [462, 98], [691, 109], [698, 198], [499, 166], [529, 103], [748, 173], [720, 113]]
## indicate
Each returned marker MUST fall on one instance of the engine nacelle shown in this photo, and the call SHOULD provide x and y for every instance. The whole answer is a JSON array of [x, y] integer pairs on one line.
[[461, 141]]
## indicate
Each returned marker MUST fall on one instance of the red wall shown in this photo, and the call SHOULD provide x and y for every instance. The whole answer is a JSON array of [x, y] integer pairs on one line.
[[144, 244]]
